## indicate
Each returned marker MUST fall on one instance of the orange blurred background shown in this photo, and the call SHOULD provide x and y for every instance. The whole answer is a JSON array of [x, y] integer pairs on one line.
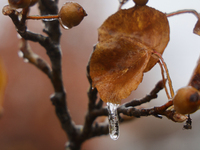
[[29, 121]]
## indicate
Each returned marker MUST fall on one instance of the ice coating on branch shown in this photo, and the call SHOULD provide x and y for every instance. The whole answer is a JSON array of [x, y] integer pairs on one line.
[[64, 26], [50, 19], [113, 121]]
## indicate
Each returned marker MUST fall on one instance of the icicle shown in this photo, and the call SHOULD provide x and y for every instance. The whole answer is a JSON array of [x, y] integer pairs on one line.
[[50, 19], [20, 54], [26, 60], [113, 121], [64, 26]]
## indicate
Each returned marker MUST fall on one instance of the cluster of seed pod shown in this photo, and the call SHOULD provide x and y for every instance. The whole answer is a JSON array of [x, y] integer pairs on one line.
[[70, 15]]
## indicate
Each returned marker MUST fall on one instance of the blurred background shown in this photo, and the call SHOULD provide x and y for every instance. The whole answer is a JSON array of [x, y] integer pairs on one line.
[[29, 121]]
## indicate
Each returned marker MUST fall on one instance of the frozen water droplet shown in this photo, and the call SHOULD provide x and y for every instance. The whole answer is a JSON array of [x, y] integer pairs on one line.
[[19, 36], [113, 121], [26, 60], [64, 26], [20, 54], [20, 16], [50, 19]]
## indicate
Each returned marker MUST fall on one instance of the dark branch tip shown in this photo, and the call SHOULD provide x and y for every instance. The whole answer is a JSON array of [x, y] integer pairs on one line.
[[160, 84]]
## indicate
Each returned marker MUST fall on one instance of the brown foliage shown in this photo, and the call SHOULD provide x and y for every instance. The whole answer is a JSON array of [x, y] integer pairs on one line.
[[127, 40]]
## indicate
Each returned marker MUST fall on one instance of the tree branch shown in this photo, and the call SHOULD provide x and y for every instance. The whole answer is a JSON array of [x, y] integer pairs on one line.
[[153, 94], [34, 58], [52, 45]]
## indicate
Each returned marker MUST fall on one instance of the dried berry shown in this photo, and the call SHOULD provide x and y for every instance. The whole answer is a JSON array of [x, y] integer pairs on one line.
[[140, 2], [71, 14], [19, 3], [187, 100]]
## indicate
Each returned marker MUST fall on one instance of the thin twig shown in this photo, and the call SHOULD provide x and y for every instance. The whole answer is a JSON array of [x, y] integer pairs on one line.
[[42, 17], [130, 110], [167, 73], [153, 94], [21, 27], [163, 76], [194, 12], [34, 58], [121, 3], [52, 45]]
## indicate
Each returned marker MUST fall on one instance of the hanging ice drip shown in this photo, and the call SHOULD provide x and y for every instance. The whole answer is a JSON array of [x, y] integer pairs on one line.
[[113, 120]]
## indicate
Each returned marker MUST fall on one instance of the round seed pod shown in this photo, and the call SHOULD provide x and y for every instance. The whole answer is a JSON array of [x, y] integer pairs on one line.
[[71, 14], [186, 100], [19, 3]]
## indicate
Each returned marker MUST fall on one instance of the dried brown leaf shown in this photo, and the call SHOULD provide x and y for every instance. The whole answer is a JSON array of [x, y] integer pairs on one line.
[[116, 67], [127, 40], [145, 24]]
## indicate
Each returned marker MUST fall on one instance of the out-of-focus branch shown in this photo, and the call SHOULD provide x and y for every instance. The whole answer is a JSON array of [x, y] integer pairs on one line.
[[121, 3], [51, 43], [52, 46], [34, 58], [21, 26]]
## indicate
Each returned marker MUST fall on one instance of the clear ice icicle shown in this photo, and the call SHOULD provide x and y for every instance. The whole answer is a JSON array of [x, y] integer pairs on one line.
[[64, 26], [20, 54], [49, 19], [113, 121]]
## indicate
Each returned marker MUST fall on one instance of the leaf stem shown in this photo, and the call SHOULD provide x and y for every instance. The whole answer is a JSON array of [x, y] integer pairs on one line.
[[194, 12], [43, 17], [167, 73]]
